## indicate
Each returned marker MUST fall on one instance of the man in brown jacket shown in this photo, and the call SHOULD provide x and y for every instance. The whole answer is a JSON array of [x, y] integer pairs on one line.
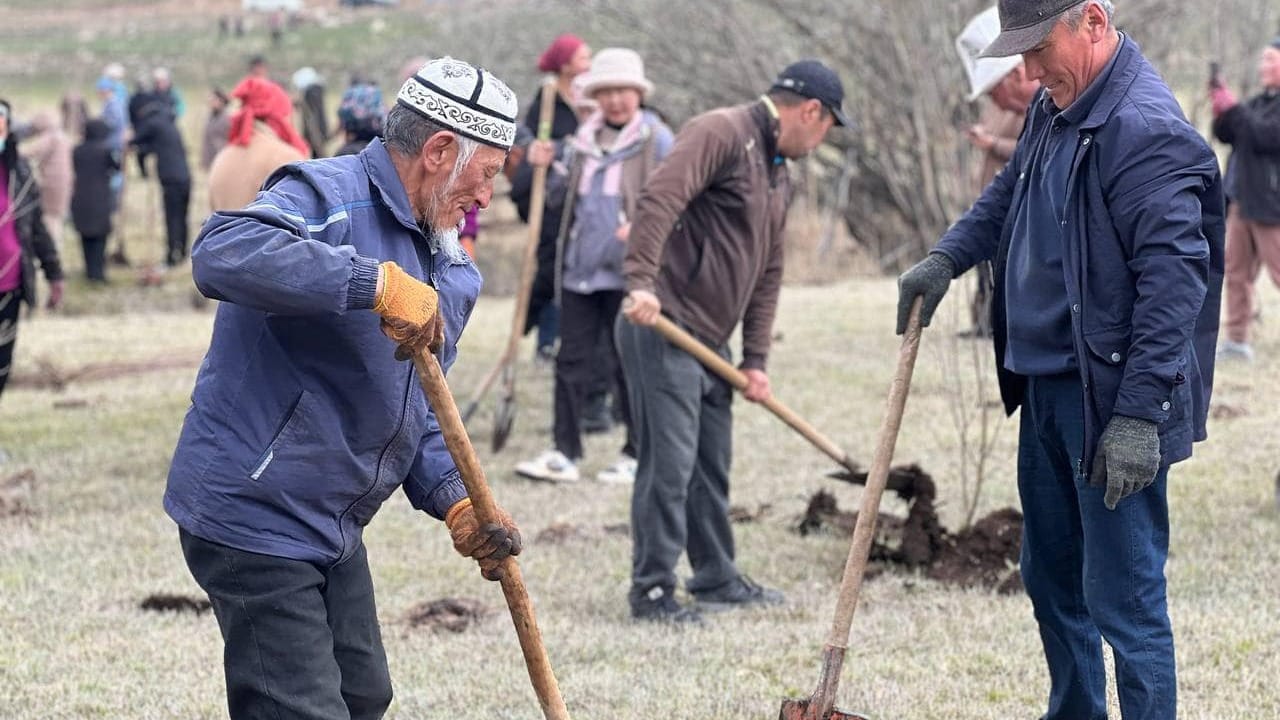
[[706, 249]]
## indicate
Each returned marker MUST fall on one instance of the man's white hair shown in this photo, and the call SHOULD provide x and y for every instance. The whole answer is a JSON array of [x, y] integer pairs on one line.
[[446, 240], [405, 133], [1073, 16]]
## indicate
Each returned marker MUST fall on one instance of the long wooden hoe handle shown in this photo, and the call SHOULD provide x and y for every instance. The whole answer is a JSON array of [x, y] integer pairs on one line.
[[529, 260], [864, 531], [537, 199], [486, 509], [738, 380]]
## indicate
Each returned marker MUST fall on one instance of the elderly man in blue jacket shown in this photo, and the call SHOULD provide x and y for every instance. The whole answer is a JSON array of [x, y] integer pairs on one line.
[[304, 419], [1106, 230]]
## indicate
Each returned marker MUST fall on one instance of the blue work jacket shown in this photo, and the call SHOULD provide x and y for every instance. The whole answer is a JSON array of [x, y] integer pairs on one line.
[[302, 422], [1142, 256]]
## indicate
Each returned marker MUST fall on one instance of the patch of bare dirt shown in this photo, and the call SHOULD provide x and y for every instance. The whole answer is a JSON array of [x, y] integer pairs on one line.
[[448, 614], [983, 555], [161, 602], [50, 376]]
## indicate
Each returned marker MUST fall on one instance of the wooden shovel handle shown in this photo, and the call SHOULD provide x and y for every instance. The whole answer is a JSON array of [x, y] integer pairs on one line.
[[537, 201], [528, 261], [735, 377], [486, 509], [877, 477]]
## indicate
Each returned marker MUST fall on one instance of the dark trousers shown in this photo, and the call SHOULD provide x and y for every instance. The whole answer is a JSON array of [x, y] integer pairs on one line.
[[581, 359], [95, 256], [10, 303], [301, 641], [1092, 574], [683, 423], [548, 326], [177, 197]]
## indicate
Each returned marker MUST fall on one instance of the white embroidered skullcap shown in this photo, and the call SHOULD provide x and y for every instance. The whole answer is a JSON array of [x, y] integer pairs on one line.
[[465, 99]]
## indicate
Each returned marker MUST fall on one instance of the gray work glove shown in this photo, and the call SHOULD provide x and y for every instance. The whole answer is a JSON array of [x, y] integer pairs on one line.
[[930, 277], [1128, 458]]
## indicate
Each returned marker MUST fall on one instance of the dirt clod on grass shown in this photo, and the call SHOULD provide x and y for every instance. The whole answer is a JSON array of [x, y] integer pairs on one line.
[[161, 602], [451, 614], [15, 494], [983, 555], [563, 532], [742, 514], [1227, 411]]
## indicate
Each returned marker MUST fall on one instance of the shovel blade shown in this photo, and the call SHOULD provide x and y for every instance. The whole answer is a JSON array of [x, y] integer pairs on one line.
[[807, 710]]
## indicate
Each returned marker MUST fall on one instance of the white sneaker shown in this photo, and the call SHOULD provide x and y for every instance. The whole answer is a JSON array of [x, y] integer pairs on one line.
[[622, 472], [1232, 350], [550, 466]]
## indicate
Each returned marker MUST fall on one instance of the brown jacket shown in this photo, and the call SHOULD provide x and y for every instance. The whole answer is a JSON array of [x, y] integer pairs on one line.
[[1006, 126], [708, 231], [238, 171]]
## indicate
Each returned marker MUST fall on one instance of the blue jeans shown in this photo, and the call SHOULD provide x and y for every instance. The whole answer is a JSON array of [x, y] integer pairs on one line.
[[1092, 573]]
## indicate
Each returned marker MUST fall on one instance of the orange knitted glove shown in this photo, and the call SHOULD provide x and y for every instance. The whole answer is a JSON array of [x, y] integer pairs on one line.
[[489, 544], [410, 311]]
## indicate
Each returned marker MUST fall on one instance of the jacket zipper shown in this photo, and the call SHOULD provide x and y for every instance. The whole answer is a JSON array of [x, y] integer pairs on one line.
[[377, 472], [404, 413], [1082, 351]]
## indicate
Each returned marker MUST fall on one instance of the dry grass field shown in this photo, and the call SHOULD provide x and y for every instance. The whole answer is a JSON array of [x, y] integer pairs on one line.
[[92, 542], [84, 540]]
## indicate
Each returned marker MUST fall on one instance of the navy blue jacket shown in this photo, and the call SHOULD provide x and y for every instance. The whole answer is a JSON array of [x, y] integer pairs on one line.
[[1143, 256], [302, 422]]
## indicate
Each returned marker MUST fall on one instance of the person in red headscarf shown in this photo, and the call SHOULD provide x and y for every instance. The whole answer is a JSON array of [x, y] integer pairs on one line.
[[262, 138], [567, 57], [264, 101]]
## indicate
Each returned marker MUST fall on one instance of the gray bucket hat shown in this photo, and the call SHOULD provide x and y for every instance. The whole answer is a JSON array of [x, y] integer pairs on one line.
[[1024, 24]]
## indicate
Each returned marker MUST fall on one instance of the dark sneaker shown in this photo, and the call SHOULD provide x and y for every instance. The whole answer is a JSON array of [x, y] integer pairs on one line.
[[596, 415], [658, 604], [738, 592]]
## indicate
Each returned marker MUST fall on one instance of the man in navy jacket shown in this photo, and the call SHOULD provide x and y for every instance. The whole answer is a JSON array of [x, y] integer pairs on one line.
[[304, 420], [1106, 231]]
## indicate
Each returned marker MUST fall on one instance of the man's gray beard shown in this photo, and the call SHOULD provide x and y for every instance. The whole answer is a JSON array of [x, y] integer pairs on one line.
[[447, 242], [443, 240]]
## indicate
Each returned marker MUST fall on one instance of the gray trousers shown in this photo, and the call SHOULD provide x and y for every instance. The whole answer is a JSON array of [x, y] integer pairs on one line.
[[683, 426]]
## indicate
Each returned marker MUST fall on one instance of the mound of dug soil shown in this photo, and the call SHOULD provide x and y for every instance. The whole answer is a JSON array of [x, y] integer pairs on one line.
[[451, 614], [175, 603], [985, 554]]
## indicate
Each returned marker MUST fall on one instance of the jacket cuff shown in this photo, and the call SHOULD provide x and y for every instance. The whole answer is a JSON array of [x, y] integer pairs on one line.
[[446, 496], [363, 287], [955, 264], [753, 361], [1145, 398], [635, 283]]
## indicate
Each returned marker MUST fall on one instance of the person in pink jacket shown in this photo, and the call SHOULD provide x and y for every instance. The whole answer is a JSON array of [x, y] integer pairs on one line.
[[50, 154]]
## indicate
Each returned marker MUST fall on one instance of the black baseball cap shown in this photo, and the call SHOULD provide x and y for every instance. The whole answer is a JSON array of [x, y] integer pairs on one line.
[[1024, 24], [812, 79]]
